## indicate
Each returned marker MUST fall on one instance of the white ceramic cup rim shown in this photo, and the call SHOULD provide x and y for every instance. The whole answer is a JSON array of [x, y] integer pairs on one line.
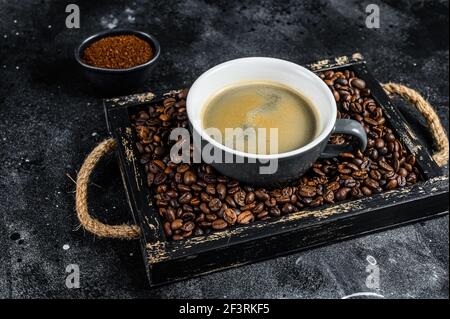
[[196, 89]]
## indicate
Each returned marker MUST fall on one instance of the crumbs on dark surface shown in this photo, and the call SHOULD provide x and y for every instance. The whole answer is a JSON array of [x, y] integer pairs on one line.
[[193, 199]]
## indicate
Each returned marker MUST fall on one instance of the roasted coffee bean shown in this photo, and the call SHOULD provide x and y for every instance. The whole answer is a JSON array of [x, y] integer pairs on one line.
[[318, 171], [344, 170], [229, 215], [187, 216], [160, 178], [379, 143], [411, 178], [329, 196], [176, 224], [365, 163], [233, 183], [205, 224], [274, 212], [201, 183], [239, 198], [332, 186], [182, 168], [373, 153], [215, 204], [293, 199], [376, 175], [222, 210], [389, 137], [366, 191], [187, 227], [350, 182], [221, 191], [396, 165], [189, 178], [316, 201], [307, 191], [153, 168], [150, 179], [353, 166], [167, 229], [271, 202], [183, 188], [261, 195], [258, 208], [402, 172], [178, 178], [233, 190], [392, 184], [185, 198], [250, 198], [401, 181], [408, 167], [371, 183], [245, 217], [411, 160], [159, 150], [169, 214], [211, 217], [248, 206], [357, 193], [287, 208], [389, 174], [385, 166], [263, 215], [342, 193], [230, 201], [195, 201], [248, 188], [211, 189], [222, 179], [209, 178], [205, 197], [219, 224], [161, 188], [172, 193], [357, 83], [370, 121]]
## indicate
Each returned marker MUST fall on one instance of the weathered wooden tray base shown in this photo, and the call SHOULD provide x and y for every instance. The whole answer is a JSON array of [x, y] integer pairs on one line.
[[168, 261]]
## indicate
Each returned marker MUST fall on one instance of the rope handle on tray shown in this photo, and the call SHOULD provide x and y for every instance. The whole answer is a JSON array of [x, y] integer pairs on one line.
[[88, 222], [133, 231], [436, 128]]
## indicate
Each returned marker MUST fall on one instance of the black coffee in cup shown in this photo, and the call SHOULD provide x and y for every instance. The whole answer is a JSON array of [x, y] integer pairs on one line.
[[263, 105]]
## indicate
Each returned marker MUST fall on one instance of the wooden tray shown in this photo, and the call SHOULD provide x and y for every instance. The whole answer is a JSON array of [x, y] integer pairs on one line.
[[168, 261]]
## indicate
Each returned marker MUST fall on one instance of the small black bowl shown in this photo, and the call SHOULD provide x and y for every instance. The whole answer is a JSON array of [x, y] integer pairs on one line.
[[119, 81]]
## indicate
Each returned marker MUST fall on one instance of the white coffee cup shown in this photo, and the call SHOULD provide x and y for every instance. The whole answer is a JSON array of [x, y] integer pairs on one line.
[[289, 164]]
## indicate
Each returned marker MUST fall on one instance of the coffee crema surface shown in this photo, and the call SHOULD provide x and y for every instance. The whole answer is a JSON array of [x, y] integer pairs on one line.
[[261, 105]]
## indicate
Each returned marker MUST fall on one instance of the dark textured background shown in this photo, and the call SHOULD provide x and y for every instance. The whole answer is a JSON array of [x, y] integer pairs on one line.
[[50, 118]]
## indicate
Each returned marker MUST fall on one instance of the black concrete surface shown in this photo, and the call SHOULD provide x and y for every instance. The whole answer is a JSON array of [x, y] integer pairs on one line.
[[50, 118]]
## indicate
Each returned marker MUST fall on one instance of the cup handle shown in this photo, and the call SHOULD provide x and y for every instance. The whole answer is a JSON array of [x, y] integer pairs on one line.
[[350, 127]]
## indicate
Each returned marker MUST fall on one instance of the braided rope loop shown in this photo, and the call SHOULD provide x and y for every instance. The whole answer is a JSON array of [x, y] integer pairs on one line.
[[81, 201]]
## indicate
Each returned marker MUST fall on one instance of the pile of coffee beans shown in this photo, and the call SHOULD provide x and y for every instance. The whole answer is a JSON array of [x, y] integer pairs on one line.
[[193, 199]]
